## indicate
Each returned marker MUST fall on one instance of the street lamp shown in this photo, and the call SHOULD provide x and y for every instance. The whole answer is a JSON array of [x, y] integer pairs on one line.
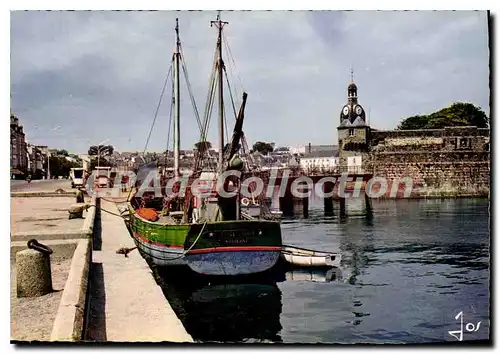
[[48, 163]]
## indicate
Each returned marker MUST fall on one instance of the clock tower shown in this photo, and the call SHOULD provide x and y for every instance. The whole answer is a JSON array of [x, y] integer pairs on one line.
[[353, 133]]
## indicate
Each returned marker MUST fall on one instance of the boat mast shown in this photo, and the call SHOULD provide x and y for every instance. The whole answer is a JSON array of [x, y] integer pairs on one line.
[[177, 131], [220, 66]]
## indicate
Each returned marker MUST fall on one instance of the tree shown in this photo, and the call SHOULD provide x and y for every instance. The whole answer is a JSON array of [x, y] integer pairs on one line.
[[458, 114], [62, 152], [203, 146], [102, 163], [262, 147], [104, 150], [60, 166], [413, 122]]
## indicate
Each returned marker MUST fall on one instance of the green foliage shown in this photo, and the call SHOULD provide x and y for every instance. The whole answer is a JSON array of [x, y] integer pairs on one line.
[[413, 122], [262, 147], [62, 152], [76, 157], [60, 166], [102, 162], [458, 114], [203, 146], [104, 150]]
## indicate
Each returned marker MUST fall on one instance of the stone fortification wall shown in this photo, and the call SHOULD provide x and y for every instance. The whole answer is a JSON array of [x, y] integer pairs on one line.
[[440, 162]]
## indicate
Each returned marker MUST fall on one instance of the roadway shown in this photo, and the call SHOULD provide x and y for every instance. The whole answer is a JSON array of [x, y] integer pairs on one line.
[[42, 185]]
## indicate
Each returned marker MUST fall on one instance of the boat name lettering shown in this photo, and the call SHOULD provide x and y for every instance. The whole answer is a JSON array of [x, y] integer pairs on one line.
[[239, 234], [241, 241]]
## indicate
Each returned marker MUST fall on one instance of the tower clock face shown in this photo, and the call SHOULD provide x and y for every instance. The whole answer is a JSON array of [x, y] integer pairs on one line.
[[359, 110], [345, 110]]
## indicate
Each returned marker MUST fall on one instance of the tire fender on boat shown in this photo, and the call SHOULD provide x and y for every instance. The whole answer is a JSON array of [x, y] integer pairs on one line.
[[245, 201]]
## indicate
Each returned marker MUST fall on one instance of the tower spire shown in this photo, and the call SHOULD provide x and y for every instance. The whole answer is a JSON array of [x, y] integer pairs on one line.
[[352, 75]]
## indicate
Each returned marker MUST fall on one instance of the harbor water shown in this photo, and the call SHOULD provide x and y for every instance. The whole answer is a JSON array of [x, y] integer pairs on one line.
[[412, 271]]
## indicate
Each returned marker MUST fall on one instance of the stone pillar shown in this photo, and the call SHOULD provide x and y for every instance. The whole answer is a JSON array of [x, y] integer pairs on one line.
[[305, 207], [33, 273], [328, 200], [368, 203], [343, 212], [301, 204], [286, 201]]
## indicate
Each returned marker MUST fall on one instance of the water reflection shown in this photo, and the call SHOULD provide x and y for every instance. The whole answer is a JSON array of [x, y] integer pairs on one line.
[[407, 270], [239, 309]]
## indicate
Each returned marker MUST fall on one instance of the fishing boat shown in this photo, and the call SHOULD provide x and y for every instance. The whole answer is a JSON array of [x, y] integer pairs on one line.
[[208, 233]]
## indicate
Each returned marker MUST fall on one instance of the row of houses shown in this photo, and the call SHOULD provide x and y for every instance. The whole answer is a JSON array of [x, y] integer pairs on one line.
[[18, 148], [310, 158], [28, 159], [25, 158]]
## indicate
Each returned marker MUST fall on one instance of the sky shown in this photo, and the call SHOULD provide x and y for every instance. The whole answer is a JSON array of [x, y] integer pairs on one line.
[[80, 78]]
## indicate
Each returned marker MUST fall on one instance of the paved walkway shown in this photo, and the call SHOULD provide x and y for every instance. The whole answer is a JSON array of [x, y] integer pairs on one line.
[[43, 213], [40, 185], [126, 303]]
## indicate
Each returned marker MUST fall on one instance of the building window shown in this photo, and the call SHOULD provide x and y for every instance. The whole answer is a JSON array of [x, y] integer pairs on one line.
[[463, 143], [351, 132]]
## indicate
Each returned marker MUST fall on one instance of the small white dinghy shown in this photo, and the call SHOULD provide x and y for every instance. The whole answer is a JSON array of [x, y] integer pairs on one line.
[[308, 258]]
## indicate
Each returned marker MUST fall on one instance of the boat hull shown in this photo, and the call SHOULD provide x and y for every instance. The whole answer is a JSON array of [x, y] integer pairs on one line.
[[235, 247], [159, 254], [234, 262]]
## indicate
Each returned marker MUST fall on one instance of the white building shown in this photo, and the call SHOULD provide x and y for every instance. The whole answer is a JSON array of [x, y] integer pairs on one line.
[[85, 161], [319, 161], [301, 149], [354, 164]]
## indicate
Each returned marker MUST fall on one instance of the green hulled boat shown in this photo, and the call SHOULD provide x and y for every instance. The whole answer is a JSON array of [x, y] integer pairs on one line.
[[206, 233]]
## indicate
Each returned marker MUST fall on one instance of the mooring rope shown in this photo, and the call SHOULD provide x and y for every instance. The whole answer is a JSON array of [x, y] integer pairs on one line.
[[169, 259], [190, 248], [107, 211], [114, 201]]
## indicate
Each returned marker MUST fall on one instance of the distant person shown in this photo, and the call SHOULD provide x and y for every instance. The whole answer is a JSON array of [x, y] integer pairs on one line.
[[124, 183]]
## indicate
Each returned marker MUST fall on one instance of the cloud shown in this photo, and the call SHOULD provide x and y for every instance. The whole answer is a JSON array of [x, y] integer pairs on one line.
[[99, 74]]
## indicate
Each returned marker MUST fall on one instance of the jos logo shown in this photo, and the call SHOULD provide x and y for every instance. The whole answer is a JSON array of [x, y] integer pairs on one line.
[[469, 327]]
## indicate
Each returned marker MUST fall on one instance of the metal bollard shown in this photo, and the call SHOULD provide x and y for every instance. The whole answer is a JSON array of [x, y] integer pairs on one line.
[[79, 197], [34, 277], [76, 210]]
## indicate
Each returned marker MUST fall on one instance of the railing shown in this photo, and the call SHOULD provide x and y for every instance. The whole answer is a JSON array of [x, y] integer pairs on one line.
[[312, 172]]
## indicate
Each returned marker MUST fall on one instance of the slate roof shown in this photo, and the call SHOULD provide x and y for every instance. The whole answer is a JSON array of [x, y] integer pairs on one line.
[[321, 154]]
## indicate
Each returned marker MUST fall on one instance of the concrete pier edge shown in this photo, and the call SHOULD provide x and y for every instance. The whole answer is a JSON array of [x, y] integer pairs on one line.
[[68, 324], [42, 194], [88, 223]]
